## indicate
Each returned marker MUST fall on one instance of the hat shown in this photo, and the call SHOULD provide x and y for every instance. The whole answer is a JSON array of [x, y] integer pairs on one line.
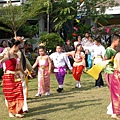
[[21, 39]]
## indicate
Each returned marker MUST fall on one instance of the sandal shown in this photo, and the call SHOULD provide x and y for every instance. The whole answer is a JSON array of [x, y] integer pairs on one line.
[[11, 115], [115, 117], [19, 115]]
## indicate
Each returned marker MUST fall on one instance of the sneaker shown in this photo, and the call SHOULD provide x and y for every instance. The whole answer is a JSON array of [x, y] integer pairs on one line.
[[47, 93], [59, 90], [96, 86], [78, 86], [37, 95]]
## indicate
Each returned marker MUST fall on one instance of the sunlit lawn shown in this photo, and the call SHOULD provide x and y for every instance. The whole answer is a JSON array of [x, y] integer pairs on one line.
[[86, 103]]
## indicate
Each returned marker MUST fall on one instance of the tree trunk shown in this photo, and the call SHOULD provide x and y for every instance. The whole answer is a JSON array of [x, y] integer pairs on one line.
[[15, 34]]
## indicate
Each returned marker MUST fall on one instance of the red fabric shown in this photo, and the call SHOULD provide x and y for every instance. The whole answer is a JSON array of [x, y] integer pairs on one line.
[[13, 92], [77, 71], [11, 64], [115, 92]]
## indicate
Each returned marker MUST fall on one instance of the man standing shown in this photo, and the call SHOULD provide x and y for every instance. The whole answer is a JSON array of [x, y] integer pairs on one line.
[[98, 55], [60, 60]]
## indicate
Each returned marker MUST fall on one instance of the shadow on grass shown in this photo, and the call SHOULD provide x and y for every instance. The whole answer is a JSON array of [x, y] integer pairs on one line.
[[35, 118], [54, 96], [50, 108], [45, 98], [35, 89], [65, 94]]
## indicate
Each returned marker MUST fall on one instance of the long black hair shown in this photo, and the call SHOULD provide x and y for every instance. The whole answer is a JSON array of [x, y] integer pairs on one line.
[[13, 42], [77, 46], [1, 44]]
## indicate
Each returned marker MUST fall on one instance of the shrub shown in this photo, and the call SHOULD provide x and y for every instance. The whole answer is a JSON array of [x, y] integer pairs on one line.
[[50, 40]]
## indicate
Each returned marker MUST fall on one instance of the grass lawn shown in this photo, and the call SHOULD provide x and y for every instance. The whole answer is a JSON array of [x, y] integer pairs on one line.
[[86, 103]]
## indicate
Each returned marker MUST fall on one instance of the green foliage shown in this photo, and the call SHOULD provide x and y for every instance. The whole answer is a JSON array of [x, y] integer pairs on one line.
[[82, 29], [30, 30], [95, 9], [50, 41], [64, 13], [32, 41], [6, 29], [15, 16]]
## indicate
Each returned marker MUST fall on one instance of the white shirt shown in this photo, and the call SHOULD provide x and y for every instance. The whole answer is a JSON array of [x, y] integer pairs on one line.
[[98, 51], [86, 42], [60, 60], [76, 43]]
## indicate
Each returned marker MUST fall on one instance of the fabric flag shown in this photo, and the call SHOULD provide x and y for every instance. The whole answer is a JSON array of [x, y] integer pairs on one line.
[[96, 69]]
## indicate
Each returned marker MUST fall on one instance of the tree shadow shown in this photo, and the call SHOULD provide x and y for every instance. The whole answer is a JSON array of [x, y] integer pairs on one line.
[[54, 107], [59, 96], [45, 98], [35, 89]]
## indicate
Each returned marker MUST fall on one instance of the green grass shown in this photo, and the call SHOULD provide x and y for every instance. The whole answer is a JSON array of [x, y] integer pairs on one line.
[[86, 103]]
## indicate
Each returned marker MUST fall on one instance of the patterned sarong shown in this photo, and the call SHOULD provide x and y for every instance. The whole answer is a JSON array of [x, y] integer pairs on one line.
[[43, 80], [13, 92], [115, 92]]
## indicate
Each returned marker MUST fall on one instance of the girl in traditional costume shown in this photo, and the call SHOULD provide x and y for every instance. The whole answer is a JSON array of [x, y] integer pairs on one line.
[[115, 87], [12, 85], [79, 63], [109, 69], [44, 68]]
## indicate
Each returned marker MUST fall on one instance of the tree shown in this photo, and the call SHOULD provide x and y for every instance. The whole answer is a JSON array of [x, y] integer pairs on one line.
[[15, 16], [64, 11], [30, 30]]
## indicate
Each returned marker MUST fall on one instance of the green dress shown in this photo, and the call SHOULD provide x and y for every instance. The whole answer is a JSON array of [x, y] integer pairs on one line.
[[110, 52]]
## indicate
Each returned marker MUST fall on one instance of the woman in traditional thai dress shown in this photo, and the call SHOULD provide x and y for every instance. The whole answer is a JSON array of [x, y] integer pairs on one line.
[[12, 85], [115, 87], [79, 63], [109, 69], [44, 68]]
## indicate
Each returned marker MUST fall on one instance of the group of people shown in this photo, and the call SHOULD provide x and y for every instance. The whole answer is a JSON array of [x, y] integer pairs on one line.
[[17, 68]]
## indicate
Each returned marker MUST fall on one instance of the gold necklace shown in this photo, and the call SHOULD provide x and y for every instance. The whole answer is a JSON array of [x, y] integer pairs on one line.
[[41, 57]]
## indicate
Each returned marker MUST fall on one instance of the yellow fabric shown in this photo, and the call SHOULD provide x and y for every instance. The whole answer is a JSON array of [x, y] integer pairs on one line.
[[115, 64], [96, 69], [26, 81], [98, 57]]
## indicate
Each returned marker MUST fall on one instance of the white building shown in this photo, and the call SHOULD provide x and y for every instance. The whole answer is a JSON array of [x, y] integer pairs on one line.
[[16, 2]]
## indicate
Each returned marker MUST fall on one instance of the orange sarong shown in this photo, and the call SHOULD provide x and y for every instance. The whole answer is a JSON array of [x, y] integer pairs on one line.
[[77, 71], [13, 92]]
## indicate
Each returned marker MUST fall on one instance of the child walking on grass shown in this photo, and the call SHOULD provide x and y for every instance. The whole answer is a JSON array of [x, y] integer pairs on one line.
[[44, 68]]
